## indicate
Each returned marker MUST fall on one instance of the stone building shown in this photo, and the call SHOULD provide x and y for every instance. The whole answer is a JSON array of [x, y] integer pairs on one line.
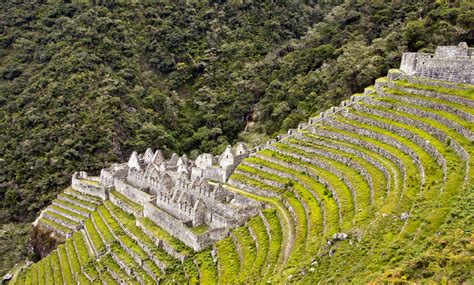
[[188, 192], [451, 63]]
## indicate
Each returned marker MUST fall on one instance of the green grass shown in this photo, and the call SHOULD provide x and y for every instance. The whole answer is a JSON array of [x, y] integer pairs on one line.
[[83, 196], [110, 263], [379, 181], [199, 230], [454, 178], [248, 250], [62, 218], [91, 182], [82, 202], [228, 261], [50, 269], [346, 201], [191, 271], [363, 193], [464, 93], [57, 267], [396, 182], [129, 222], [309, 196], [65, 266], [163, 235], [276, 238], [102, 227], [70, 213], [457, 106], [286, 227], [299, 249], [256, 183], [74, 262], [55, 225], [107, 277], [96, 240], [72, 206], [82, 251], [207, 268], [262, 246], [127, 201]]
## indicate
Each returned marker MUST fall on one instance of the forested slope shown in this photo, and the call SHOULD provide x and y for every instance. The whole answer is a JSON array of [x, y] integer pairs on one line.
[[84, 85]]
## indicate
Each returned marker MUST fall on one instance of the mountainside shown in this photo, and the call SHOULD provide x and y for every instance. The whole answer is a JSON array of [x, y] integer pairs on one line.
[[82, 85], [379, 189]]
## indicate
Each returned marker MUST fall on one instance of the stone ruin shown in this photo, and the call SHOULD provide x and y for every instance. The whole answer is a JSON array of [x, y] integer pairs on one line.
[[179, 194], [450, 63]]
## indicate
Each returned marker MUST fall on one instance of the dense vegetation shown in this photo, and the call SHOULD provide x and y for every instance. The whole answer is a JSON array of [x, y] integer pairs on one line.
[[84, 85]]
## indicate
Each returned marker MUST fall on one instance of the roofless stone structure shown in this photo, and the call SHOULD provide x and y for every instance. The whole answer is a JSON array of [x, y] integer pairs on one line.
[[451, 63]]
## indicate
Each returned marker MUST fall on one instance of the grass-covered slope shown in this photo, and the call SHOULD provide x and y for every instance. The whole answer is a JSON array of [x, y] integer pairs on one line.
[[379, 191], [85, 83]]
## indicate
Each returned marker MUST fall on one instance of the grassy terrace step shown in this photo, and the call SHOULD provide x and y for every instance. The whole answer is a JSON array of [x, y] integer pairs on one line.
[[207, 268], [439, 145], [121, 236], [129, 223], [454, 107], [308, 219], [69, 206], [275, 245], [256, 183], [262, 239], [68, 223], [138, 208], [362, 193], [412, 174], [379, 181], [247, 251], [108, 278], [85, 197], [46, 271], [315, 214], [74, 200], [95, 238], [102, 228], [401, 144], [50, 223], [447, 116], [456, 174], [352, 169], [85, 256], [76, 269], [164, 236], [345, 200], [56, 267], [284, 236], [298, 251], [326, 215], [411, 132], [138, 272], [191, 271], [425, 159], [228, 262], [65, 212], [65, 266], [114, 269], [370, 152], [465, 91]]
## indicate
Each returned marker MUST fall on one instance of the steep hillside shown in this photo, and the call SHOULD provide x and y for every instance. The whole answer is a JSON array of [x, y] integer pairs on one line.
[[81, 85], [379, 189]]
